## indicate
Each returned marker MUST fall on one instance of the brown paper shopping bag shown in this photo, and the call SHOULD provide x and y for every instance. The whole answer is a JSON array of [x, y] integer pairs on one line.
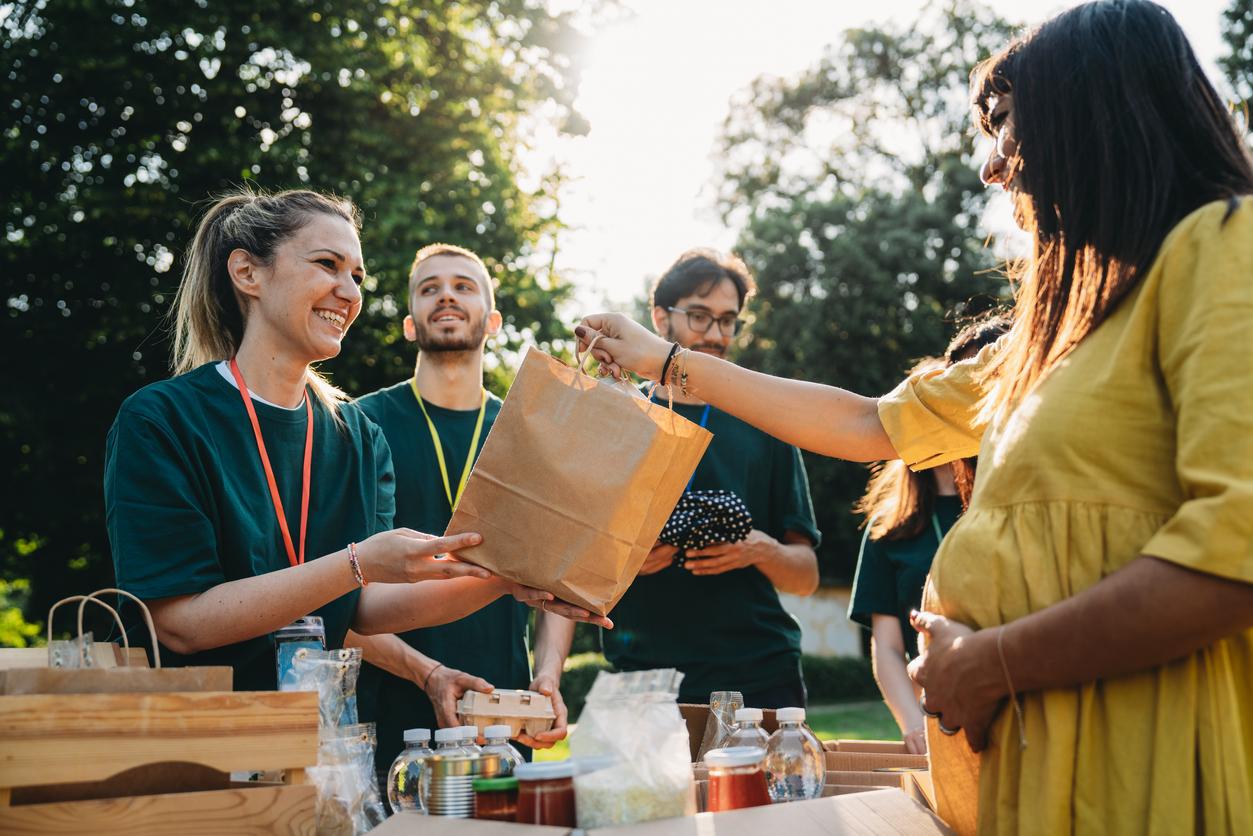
[[574, 483]]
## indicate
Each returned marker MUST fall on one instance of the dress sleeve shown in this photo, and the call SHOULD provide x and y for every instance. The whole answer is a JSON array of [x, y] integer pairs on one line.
[[160, 532], [385, 479], [793, 505], [874, 584], [933, 417], [1204, 347]]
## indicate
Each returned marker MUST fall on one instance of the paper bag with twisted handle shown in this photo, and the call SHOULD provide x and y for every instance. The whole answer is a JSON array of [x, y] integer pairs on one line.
[[574, 483]]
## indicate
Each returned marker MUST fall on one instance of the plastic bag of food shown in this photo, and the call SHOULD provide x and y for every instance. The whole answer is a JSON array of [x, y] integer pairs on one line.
[[333, 675], [633, 735], [348, 802]]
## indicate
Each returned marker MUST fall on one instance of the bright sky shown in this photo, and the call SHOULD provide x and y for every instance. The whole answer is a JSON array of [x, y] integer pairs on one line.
[[656, 89]]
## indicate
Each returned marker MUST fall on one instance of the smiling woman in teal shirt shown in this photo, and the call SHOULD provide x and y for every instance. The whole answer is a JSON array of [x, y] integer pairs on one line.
[[243, 492]]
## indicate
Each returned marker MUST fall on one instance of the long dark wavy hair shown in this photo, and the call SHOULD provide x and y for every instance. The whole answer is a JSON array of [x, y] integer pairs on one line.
[[1119, 136], [898, 501]]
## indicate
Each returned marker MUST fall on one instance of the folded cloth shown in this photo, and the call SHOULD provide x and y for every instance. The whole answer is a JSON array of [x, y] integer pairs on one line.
[[706, 518]]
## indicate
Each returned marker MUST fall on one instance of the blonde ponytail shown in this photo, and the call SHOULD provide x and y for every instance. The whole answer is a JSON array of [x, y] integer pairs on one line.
[[207, 317]]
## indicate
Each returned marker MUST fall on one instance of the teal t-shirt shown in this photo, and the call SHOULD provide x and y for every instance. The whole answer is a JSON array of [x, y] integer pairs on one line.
[[727, 631], [891, 573], [188, 507], [490, 643]]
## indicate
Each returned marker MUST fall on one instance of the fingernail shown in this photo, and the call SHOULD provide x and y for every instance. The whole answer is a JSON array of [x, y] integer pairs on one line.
[[913, 614], [580, 331]]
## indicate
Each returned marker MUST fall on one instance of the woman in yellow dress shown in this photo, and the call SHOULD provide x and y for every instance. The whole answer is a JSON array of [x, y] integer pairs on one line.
[[1102, 580]]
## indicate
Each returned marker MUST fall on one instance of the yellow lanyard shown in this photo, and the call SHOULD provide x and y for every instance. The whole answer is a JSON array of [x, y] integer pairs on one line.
[[453, 501]]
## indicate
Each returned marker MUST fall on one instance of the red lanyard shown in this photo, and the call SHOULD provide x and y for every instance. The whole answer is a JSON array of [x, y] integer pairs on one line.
[[292, 557]]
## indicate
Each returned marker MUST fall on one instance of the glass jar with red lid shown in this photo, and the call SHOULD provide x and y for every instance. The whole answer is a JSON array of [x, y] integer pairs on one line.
[[737, 778], [546, 793]]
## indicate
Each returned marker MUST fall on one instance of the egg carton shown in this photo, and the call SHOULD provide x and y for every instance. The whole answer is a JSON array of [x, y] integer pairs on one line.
[[521, 711]]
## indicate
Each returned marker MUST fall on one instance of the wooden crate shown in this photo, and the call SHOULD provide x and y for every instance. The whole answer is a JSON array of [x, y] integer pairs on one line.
[[107, 763]]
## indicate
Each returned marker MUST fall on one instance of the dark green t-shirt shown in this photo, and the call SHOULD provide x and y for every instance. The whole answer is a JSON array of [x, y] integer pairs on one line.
[[490, 643], [727, 631], [891, 573], [188, 507]]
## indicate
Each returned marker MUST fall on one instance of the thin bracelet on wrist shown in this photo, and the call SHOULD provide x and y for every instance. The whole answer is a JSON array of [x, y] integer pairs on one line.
[[432, 673], [1013, 695], [356, 566], [665, 367]]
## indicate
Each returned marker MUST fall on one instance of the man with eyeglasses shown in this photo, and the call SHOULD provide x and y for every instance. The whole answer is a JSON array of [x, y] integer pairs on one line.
[[715, 614]]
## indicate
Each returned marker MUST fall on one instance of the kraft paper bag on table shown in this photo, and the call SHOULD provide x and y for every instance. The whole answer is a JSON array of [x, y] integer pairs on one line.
[[574, 483]]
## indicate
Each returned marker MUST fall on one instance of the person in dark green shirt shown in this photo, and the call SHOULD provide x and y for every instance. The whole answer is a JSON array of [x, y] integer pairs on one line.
[[717, 618], [907, 515], [243, 493], [436, 423]]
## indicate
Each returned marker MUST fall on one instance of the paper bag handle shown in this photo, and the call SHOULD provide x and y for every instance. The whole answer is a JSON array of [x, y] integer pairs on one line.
[[143, 608], [84, 598], [580, 357]]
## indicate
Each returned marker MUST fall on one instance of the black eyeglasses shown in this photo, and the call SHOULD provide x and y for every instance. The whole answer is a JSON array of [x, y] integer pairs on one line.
[[701, 321]]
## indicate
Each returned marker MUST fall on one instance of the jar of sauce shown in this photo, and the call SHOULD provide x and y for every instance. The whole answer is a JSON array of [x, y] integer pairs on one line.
[[496, 799], [546, 793], [737, 778]]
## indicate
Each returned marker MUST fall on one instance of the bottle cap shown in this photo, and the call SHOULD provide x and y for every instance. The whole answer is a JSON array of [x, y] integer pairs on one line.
[[790, 715], [544, 771], [449, 735], [734, 756], [305, 627], [752, 715], [417, 735], [497, 731], [469, 732]]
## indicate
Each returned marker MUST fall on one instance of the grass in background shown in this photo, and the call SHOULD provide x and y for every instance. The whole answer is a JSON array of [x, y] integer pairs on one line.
[[847, 721]]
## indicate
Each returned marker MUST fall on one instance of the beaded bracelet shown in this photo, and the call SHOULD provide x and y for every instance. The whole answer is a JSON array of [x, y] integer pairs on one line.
[[356, 565]]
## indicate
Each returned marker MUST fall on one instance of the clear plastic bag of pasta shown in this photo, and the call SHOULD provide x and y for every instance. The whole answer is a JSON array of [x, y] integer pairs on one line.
[[632, 746], [333, 675], [349, 802]]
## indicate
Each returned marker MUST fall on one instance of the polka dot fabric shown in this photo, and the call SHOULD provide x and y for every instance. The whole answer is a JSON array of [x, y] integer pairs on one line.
[[706, 518]]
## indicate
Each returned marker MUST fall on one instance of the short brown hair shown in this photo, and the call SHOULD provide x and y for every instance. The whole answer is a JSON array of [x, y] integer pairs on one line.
[[432, 250], [699, 271]]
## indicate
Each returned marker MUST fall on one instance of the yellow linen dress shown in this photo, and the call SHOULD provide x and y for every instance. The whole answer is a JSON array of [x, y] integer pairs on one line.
[[1139, 443]]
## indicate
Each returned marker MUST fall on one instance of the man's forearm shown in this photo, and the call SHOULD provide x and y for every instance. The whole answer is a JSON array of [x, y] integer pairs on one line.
[[391, 653], [1147, 614], [396, 608], [553, 637], [793, 568]]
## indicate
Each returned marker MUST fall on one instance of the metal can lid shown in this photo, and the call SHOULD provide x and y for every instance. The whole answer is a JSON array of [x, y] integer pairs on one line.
[[734, 756], [544, 771]]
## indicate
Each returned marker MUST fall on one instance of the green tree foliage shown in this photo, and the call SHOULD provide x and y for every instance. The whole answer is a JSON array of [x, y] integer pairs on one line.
[[1237, 63], [121, 116], [856, 189]]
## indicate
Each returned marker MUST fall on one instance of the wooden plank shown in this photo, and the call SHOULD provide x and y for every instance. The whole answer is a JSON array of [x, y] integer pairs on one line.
[[114, 680], [151, 779], [52, 739], [870, 761], [877, 813], [864, 779], [250, 811], [881, 747], [104, 654]]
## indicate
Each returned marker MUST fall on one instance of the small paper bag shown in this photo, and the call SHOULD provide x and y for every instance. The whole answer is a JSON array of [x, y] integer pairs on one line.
[[574, 483]]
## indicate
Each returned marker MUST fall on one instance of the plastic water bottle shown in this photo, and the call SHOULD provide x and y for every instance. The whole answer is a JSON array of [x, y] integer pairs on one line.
[[748, 730], [448, 741], [404, 779], [469, 738], [498, 744], [795, 763]]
